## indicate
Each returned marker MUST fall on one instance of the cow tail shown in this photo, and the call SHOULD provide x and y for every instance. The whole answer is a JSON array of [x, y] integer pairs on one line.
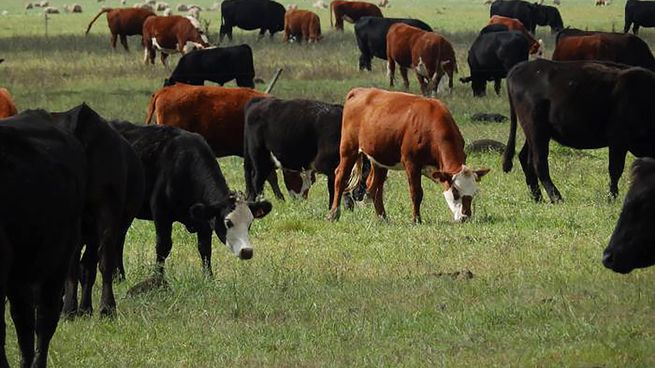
[[151, 108], [94, 19], [355, 174], [508, 155]]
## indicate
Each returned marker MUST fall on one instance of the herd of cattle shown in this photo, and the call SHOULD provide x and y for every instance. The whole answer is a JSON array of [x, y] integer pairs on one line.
[[102, 174]]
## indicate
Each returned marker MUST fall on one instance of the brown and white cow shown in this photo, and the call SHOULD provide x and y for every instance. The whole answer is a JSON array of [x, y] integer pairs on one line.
[[351, 11], [513, 24], [302, 25], [123, 22], [430, 54], [7, 106], [399, 131], [171, 35]]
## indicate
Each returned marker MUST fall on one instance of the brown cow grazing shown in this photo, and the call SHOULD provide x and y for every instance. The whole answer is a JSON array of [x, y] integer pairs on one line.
[[302, 25], [171, 35], [7, 106], [351, 11], [402, 131], [123, 22], [430, 54], [513, 24]]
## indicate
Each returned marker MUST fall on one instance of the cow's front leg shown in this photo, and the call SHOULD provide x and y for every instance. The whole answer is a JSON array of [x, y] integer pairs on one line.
[[616, 165], [403, 74], [205, 248], [415, 190]]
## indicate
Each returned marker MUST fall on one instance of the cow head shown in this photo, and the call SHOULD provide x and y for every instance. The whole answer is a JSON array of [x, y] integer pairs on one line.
[[231, 220], [460, 190], [632, 244], [537, 48], [199, 39], [298, 182]]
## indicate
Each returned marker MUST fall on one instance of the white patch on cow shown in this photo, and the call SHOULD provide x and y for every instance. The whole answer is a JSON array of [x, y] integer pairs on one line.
[[348, 19], [163, 49], [306, 176], [421, 69], [194, 22], [276, 162], [236, 238], [454, 205], [396, 166], [204, 38], [145, 55]]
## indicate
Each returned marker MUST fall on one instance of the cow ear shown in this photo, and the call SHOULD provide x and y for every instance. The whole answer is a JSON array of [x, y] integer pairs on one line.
[[199, 212], [479, 173], [260, 209], [443, 176]]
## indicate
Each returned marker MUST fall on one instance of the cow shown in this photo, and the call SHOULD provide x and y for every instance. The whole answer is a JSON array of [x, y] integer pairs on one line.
[[575, 44], [217, 64], [371, 35], [7, 105], [639, 14], [123, 22], [185, 184], [351, 11], [529, 14], [302, 25], [171, 35], [631, 243], [536, 46], [493, 53], [398, 131], [582, 105], [428, 53], [42, 195], [114, 193], [265, 15]]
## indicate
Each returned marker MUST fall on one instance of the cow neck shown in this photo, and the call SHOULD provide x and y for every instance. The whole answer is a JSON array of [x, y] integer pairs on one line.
[[451, 157], [209, 182]]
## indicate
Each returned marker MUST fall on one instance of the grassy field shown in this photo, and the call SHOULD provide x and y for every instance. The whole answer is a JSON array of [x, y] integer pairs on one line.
[[520, 285]]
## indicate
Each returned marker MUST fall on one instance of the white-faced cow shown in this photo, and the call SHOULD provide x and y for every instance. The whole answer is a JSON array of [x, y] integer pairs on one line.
[[171, 35]]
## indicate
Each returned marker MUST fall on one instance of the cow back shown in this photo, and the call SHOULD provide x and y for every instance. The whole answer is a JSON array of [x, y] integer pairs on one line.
[[128, 21]]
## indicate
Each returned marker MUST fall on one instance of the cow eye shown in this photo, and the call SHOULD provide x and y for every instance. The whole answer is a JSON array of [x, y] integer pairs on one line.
[[229, 224]]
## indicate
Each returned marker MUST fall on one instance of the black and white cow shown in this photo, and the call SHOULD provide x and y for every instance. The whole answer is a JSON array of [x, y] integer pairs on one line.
[[265, 15]]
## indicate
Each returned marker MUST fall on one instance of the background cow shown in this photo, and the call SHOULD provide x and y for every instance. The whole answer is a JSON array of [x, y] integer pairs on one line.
[[171, 35], [123, 22], [639, 14], [265, 15], [351, 11], [7, 105], [302, 25], [529, 14], [536, 46]]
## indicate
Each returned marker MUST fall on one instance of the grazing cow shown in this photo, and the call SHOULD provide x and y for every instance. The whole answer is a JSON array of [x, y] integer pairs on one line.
[[7, 106], [171, 35], [575, 44], [631, 244], [123, 22], [42, 196], [265, 15], [493, 53], [185, 184], [639, 14], [536, 46], [371, 34], [351, 11], [114, 193], [428, 53], [529, 14], [302, 25], [403, 131], [583, 105], [216, 64]]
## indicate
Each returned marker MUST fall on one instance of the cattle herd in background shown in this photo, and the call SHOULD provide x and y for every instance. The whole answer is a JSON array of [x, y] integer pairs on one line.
[[102, 174]]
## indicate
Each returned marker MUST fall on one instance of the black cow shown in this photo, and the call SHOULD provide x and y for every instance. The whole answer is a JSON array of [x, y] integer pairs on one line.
[[42, 194], [583, 105], [493, 53], [265, 15], [185, 184], [114, 193], [216, 64], [371, 34], [531, 15], [639, 14], [632, 244]]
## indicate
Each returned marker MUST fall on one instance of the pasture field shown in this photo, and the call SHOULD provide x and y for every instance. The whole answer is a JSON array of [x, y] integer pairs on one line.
[[520, 285]]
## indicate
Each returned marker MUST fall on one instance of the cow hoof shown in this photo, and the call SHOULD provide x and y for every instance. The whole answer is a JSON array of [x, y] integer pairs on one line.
[[334, 215]]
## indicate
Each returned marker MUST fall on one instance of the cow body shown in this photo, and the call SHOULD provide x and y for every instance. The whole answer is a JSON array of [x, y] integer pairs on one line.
[[42, 195], [216, 64], [351, 11], [302, 25], [7, 105], [171, 35], [529, 14], [402, 131], [124, 22], [513, 24], [428, 53], [583, 105], [371, 34], [639, 14], [265, 15]]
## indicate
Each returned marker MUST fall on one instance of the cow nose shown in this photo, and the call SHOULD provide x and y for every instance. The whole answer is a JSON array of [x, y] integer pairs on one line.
[[608, 260], [245, 253]]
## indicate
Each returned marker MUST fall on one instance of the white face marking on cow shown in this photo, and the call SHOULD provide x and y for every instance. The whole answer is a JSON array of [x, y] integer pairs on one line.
[[421, 69], [464, 182], [306, 176], [237, 224]]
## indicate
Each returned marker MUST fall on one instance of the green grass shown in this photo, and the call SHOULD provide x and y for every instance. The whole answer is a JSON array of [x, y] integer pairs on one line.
[[358, 292]]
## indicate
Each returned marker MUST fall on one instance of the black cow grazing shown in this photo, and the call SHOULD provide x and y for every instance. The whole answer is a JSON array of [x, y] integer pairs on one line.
[[639, 14], [185, 184], [583, 105], [265, 15], [632, 243], [42, 195], [216, 64], [493, 53], [371, 34], [114, 194], [531, 15]]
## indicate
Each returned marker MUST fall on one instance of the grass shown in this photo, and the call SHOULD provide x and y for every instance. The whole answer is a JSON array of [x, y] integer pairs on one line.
[[358, 292]]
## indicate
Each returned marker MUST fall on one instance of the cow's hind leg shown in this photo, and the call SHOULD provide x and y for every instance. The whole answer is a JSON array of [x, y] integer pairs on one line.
[[391, 70], [349, 156], [531, 178], [375, 188], [72, 280], [113, 40], [616, 165], [22, 313], [635, 29], [47, 315], [124, 42], [497, 86], [539, 155]]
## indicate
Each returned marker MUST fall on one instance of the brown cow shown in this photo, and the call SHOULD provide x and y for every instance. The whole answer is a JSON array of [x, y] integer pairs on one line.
[[351, 11], [513, 24], [171, 35], [403, 131], [302, 25], [430, 54], [7, 106], [123, 22]]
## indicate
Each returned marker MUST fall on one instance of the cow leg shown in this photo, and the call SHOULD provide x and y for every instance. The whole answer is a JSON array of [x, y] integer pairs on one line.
[[4, 278], [531, 178], [22, 313], [112, 42], [341, 175], [376, 189], [108, 253], [124, 42], [48, 310], [415, 190], [391, 70], [272, 180], [119, 267], [635, 29], [539, 155], [88, 272], [330, 188], [422, 84], [163, 229], [626, 28], [164, 59], [403, 74], [616, 165], [71, 283], [205, 248], [261, 34], [497, 86]]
